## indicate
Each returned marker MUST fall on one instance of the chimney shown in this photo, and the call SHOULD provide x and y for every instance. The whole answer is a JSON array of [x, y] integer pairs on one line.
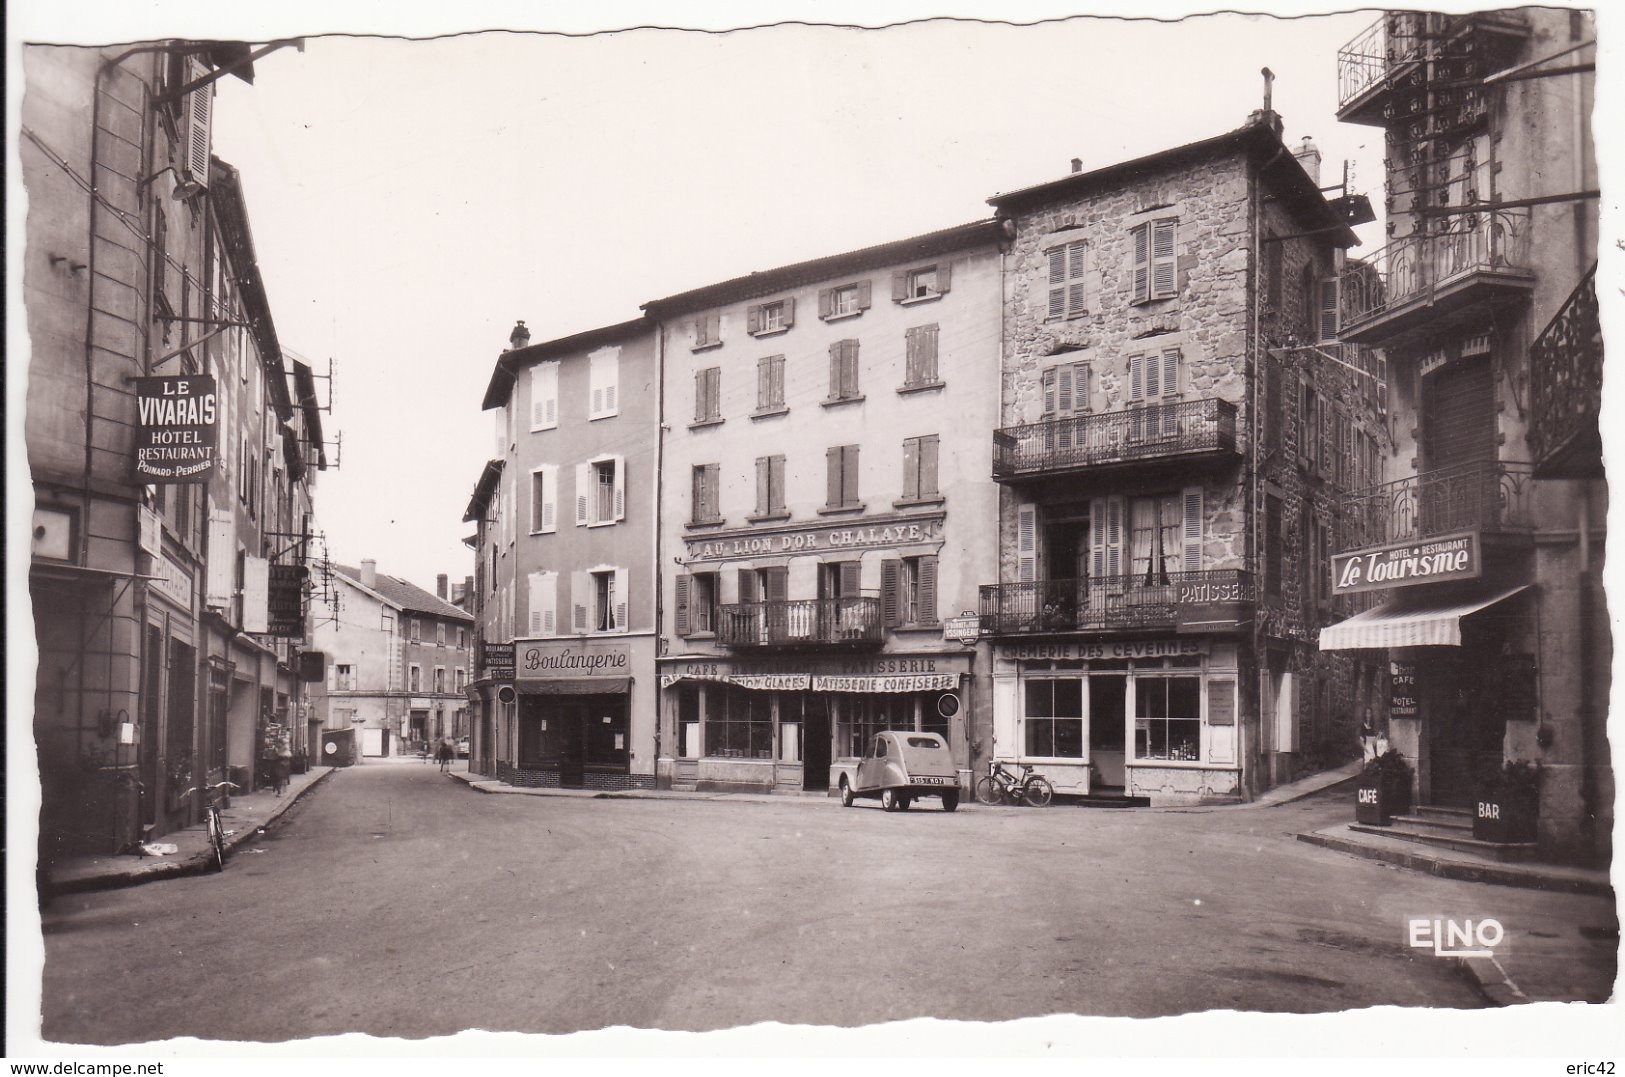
[[1308, 156], [440, 587], [369, 572], [519, 337], [468, 593], [1077, 164]]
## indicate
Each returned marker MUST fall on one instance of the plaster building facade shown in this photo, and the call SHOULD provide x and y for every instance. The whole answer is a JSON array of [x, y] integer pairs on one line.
[[1179, 420], [1485, 301], [399, 661], [825, 510], [565, 572], [162, 661]]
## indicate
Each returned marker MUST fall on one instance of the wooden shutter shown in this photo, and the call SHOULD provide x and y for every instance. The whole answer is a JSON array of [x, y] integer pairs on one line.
[[701, 378], [550, 603], [911, 469], [583, 493], [713, 494], [764, 473], [851, 578], [620, 611], [890, 570], [222, 577], [1136, 379], [835, 371], [1063, 389], [550, 497], [865, 294], [775, 479], [1142, 263], [1170, 372], [1050, 382], [1162, 257], [832, 464], [775, 583], [1026, 543], [199, 118], [680, 606], [826, 302], [1328, 310], [580, 595], [849, 474], [1106, 536], [753, 318], [944, 277], [764, 383], [928, 465], [849, 369], [1057, 284], [899, 287], [925, 605], [620, 487], [535, 603], [747, 585], [789, 311], [1192, 529], [1076, 301], [776, 370]]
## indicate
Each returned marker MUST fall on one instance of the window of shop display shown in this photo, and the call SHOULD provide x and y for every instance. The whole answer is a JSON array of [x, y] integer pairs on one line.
[[688, 721], [606, 731], [864, 716], [1053, 717], [538, 745], [1168, 718], [739, 724]]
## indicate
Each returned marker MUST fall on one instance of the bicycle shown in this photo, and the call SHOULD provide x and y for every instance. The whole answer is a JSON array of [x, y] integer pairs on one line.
[[211, 821], [999, 785]]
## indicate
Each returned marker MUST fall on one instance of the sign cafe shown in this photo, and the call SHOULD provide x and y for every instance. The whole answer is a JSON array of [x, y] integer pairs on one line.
[[175, 429], [1448, 557], [824, 538]]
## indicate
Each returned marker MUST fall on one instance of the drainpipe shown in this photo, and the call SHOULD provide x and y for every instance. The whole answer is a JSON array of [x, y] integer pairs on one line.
[[660, 570], [1589, 753]]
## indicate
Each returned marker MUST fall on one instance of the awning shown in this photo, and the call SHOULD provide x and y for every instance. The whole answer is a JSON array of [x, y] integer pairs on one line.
[[1410, 622], [576, 686]]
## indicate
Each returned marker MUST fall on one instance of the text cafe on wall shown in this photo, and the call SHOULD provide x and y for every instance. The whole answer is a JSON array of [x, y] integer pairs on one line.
[[1459, 626]]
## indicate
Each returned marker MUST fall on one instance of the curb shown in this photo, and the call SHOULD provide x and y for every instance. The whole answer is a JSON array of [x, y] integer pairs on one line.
[[196, 864], [1491, 980], [1497, 875]]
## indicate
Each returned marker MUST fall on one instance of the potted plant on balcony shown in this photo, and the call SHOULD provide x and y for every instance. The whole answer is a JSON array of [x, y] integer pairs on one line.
[[1384, 789], [1508, 807]]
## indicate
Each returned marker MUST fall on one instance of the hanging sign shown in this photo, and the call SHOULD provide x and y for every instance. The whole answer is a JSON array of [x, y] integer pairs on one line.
[[285, 601], [175, 430]]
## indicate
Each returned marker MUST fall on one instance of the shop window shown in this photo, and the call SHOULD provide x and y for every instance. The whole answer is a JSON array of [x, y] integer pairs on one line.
[[739, 724], [605, 733], [688, 721], [1053, 717], [1168, 718]]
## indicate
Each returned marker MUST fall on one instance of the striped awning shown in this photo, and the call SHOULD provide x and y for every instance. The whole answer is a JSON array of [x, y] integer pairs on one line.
[[1410, 622]]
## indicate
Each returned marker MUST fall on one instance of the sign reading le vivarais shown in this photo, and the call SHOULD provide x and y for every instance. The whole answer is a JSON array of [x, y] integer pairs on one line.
[[175, 431]]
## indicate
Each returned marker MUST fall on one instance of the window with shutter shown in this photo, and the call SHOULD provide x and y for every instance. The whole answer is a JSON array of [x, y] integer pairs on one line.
[[924, 577], [535, 604], [770, 383], [1067, 293], [708, 395], [680, 614], [618, 602], [1027, 544], [603, 375], [583, 494], [890, 598], [921, 357], [707, 330], [544, 396], [1191, 533], [1155, 263], [843, 371], [1328, 311], [198, 119], [619, 484]]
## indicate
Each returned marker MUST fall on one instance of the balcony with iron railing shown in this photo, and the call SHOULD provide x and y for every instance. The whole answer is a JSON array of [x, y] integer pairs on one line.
[[1415, 52], [1492, 497], [1158, 601], [801, 622], [1190, 431], [1430, 280], [1565, 393]]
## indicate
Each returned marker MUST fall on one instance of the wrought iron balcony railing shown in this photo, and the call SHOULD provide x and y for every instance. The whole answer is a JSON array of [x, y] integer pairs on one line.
[[1375, 52], [1391, 52], [1108, 602], [1419, 267], [800, 622], [1485, 495], [1565, 368], [1147, 433]]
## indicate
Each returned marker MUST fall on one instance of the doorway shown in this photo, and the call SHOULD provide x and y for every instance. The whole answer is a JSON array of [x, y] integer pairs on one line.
[[1108, 696], [815, 743]]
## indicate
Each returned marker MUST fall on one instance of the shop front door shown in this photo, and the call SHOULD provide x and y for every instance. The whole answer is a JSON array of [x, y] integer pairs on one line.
[[1107, 753], [815, 743], [1465, 731], [572, 719]]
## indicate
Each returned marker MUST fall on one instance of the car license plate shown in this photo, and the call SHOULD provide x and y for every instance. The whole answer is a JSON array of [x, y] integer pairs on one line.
[[929, 781]]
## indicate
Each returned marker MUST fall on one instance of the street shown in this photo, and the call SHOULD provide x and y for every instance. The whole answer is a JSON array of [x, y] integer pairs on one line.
[[396, 901]]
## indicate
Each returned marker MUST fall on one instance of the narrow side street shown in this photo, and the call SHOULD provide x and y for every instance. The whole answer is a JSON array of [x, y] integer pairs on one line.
[[396, 901]]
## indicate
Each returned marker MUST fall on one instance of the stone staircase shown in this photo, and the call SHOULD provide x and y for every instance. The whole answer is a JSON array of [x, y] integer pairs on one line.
[[1450, 828]]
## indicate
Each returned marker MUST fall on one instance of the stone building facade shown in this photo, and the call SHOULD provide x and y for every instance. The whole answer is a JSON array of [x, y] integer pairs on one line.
[[1159, 370]]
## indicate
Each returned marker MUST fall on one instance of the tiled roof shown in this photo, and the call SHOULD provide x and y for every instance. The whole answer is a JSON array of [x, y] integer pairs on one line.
[[404, 595]]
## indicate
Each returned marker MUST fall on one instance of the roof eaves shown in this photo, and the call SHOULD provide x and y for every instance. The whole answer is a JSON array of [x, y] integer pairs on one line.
[[510, 362]]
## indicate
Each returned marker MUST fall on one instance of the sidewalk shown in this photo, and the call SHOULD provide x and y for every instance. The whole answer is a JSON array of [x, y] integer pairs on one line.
[[1460, 864], [243, 821]]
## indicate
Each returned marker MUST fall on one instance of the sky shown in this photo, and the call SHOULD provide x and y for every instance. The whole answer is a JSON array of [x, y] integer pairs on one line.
[[411, 199]]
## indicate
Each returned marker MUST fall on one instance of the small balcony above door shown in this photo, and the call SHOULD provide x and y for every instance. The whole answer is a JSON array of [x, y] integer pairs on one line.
[[1212, 600], [800, 623], [1189, 432]]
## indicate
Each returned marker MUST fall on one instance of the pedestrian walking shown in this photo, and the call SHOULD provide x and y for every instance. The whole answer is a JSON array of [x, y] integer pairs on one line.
[[444, 754]]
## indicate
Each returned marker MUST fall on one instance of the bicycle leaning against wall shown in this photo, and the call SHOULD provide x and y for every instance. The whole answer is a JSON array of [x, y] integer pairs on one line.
[[211, 820], [999, 785]]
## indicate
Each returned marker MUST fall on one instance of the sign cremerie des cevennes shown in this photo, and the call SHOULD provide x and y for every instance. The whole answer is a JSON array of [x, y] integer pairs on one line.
[[895, 531], [175, 433], [1434, 560]]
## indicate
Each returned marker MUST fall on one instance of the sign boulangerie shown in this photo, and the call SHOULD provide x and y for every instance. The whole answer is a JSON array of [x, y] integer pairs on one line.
[[176, 428]]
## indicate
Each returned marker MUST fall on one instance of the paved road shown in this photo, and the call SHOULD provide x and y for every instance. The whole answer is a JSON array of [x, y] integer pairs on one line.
[[398, 902]]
